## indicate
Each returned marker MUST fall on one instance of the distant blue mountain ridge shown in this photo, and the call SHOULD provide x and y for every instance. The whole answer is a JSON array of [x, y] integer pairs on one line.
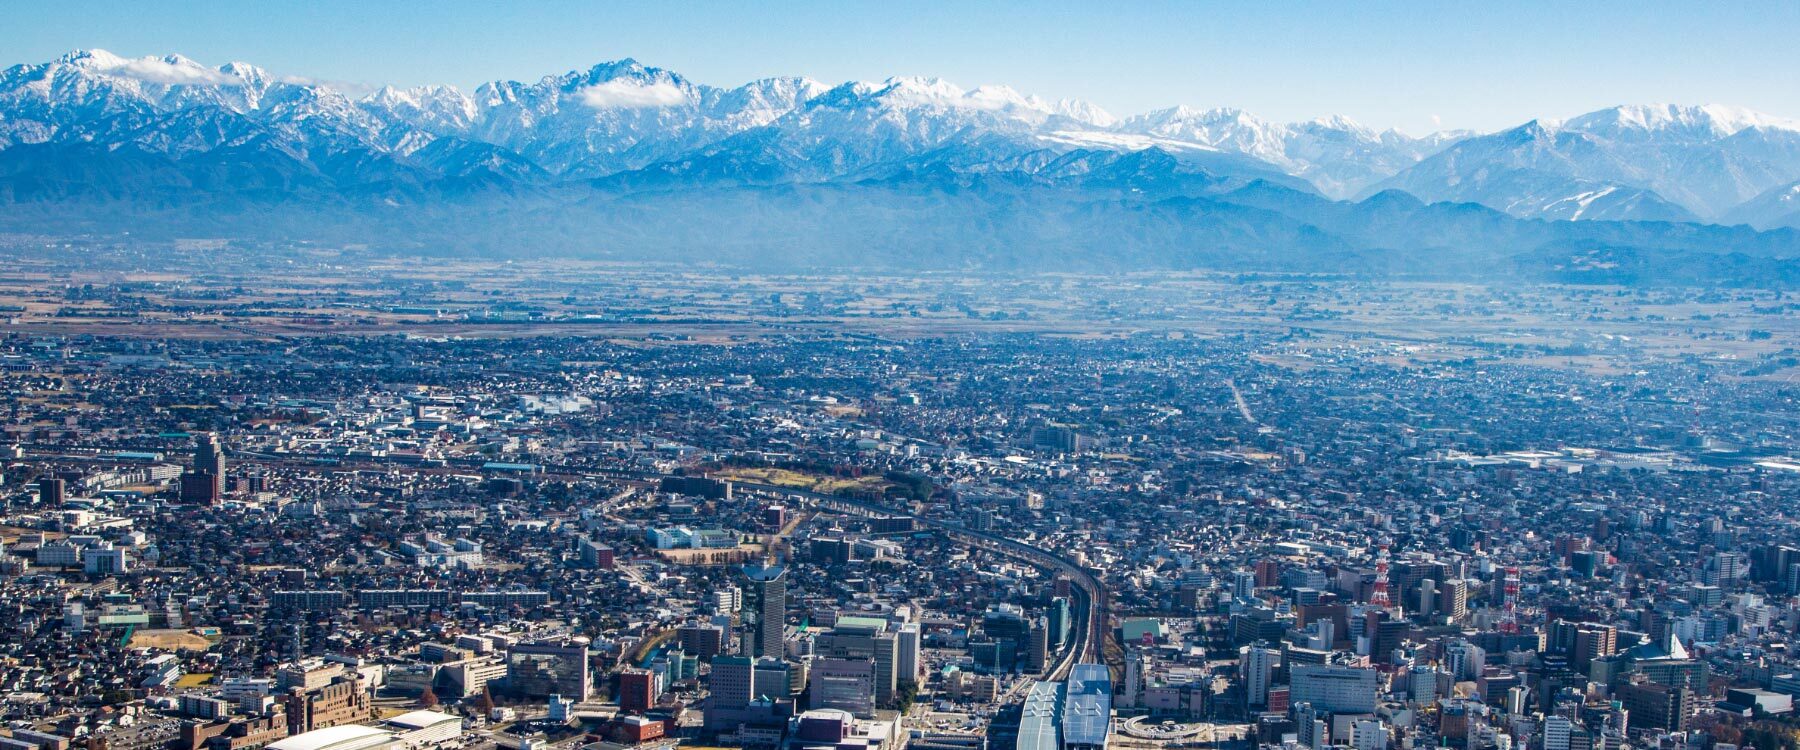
[[625, 160]]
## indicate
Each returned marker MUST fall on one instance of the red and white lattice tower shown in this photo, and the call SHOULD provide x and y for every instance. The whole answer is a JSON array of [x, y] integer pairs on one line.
[[1509, 617], [1379, 597]]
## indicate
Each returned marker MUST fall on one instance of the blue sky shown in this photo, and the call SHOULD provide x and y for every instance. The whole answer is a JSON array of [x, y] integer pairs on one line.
[[1412, 65]]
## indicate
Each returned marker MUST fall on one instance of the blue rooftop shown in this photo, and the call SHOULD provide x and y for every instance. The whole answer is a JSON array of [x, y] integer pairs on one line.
[[504, 466], [1087, 707]]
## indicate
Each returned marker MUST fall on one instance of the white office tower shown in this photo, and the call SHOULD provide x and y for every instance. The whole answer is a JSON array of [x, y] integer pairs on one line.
[[1243, 584], [105, 559], [1310, 728], [1334, 689], [1518, 699], [1725, 569], [1258, 668], [1422, 687], [1369, 734], [1464, 660], [1557, 731], [728, 600], [906, 662], [1323, 635]]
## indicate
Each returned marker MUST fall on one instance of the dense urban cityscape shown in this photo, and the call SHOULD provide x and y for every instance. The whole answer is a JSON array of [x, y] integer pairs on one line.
[[796, 375], [300, 500]]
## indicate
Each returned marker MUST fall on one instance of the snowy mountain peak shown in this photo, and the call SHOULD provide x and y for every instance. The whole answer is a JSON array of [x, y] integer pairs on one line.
[[1340, 122], [249, 74], [627, 69], [443, 104], [1648, 162], [1085, 112], [1530, 131], [1179, 116], [918, 90], [1704, 121], [97, 59], [168, 70], [623, 114], [908, 97]]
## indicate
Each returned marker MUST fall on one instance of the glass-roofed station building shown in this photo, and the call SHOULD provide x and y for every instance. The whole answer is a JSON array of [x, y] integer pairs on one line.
[[1076, 715], [1087, 708], [1038, 725]]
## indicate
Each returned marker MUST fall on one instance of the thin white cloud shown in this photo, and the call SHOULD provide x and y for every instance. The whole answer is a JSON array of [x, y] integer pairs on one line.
[[624, 94], [186, 73]]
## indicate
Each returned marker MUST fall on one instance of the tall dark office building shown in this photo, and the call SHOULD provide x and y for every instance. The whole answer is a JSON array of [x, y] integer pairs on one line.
[[52, 491], [204, 484], [1385, 635], [199, 487], [1657, 707], [1583, 642], [209, 458], [765, 607]]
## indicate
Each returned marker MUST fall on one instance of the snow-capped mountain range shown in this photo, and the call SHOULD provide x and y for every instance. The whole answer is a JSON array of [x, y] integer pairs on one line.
[[95, 123], [1634, 162]]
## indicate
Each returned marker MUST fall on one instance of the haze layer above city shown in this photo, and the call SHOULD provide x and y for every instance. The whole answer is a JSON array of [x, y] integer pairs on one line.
[[606, 408]]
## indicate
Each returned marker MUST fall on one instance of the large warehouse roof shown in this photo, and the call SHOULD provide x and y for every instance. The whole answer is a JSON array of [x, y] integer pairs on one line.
[[413, 720], [346, 737]]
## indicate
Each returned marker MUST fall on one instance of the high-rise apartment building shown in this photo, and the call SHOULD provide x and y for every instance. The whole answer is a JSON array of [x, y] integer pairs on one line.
[[1258, 666]]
